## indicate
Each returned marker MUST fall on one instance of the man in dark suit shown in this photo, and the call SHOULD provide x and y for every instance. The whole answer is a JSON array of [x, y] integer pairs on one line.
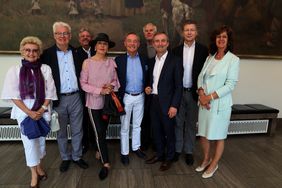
[[131, 70], [64, 62], [165, 86], [147, 50], [85, 51], [193, 56]]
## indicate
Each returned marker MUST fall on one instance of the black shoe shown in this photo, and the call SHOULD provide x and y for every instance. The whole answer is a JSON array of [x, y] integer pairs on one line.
[[124, 159], [81, 163], [103, 173], [176, 156], [144, 147], [189, 159], [65, 165], [140, 153], [43, 177]]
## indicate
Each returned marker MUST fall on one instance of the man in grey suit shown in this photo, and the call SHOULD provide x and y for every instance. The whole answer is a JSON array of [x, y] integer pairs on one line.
[[193, 56], [64, 62]]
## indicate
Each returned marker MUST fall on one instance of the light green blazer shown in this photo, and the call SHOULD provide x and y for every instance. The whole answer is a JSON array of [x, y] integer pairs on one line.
[[222, 79]]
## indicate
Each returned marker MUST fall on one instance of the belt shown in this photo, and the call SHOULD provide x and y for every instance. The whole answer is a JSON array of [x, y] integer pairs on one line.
[[68, 94], [187, 89], [134, 94]]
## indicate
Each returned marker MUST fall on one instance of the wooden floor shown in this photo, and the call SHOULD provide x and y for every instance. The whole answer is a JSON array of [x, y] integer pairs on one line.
[[248, 161]]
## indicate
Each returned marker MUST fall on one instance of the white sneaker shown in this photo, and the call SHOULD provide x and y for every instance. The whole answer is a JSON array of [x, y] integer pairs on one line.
[[209, 175], [202, 167]]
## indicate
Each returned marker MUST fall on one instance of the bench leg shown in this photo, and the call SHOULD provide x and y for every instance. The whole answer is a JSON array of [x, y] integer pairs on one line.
[[272, 126]]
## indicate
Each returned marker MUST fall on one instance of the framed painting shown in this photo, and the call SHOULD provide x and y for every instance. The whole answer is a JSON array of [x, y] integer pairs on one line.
[[257, 24]]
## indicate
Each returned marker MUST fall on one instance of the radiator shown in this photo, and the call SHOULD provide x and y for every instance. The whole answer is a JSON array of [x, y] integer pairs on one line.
[[12, 132], [248, 127]]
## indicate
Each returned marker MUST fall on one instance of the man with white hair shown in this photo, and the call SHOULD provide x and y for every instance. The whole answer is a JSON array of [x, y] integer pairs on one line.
[[65, 65], [146, 49]]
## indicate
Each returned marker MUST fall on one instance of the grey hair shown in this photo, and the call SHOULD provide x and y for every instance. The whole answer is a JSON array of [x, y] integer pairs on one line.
[[63, 24]]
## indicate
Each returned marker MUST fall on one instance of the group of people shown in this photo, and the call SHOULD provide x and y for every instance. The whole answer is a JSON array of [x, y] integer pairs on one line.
[[164, 92]]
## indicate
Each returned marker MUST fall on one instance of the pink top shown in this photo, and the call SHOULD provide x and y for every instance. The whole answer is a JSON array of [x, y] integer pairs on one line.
[[94, 75]]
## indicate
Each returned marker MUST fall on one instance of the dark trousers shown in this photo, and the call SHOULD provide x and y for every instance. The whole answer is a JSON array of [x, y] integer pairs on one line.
[[88, 132], [146, 133], [101, 127], [163, 131]]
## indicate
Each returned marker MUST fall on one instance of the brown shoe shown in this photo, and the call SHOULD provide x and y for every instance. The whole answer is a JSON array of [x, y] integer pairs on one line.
[[152, 160], [165, 165]]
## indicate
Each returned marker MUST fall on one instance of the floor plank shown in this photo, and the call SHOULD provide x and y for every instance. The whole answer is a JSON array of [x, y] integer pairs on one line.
[[248, 161]]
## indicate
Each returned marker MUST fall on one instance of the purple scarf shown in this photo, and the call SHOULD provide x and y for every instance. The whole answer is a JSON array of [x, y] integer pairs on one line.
[[32, 83]]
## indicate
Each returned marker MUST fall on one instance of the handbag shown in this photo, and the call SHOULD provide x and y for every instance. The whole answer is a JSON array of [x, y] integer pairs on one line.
[[54, 123], [34, 128], [112, 105]]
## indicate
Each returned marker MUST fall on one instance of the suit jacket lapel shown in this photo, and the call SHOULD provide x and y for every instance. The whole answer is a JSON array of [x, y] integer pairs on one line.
[[165, 66], [143, 64]]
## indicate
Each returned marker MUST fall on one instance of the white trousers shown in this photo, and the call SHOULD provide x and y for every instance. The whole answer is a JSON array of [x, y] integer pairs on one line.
[[34, 150], [132, 105]]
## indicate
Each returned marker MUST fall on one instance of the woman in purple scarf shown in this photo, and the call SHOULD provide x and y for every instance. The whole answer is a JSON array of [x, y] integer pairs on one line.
[[30, 86]]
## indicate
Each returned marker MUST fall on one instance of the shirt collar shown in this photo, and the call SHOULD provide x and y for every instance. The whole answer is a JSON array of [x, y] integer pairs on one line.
[[87, 51], [136, 55], [162, 57], [58, 49], [186, 45]]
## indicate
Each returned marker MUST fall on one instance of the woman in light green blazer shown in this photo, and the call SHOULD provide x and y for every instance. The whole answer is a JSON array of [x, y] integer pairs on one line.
[[215, 85]]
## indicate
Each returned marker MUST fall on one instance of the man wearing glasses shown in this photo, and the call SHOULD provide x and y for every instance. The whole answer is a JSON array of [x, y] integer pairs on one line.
[[66, 67]]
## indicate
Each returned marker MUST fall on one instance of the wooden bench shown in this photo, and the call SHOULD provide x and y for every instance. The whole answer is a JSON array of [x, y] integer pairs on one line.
[[253, 112], [245, 119]]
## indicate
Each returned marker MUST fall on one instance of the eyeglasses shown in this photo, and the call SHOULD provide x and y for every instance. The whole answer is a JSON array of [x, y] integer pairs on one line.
[[28, 50], [62, 34]]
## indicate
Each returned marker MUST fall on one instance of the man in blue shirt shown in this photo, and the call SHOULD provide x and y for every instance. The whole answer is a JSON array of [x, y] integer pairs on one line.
[[65, 65], [131, 69]]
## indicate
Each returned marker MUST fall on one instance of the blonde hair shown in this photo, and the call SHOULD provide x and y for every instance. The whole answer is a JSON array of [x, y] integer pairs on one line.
[[31, 40], [63, 24]]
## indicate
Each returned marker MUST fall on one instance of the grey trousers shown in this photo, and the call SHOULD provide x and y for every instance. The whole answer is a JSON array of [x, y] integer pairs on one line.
[[186, 119], [70, 111]]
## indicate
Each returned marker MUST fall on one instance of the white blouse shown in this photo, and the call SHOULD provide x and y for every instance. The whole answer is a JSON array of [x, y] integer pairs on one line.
[[11, 91]]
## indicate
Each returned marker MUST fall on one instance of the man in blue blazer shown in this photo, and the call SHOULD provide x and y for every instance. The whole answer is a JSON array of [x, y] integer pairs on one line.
[[64, 62], [131, 70], [193, 56], [165, 86]]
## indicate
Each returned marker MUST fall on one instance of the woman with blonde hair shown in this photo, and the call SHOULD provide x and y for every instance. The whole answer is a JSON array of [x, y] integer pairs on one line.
[[30, 86]]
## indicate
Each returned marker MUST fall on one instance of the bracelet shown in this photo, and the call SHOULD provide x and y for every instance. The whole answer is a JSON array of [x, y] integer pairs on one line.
[[212, 97], [44, 107]]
